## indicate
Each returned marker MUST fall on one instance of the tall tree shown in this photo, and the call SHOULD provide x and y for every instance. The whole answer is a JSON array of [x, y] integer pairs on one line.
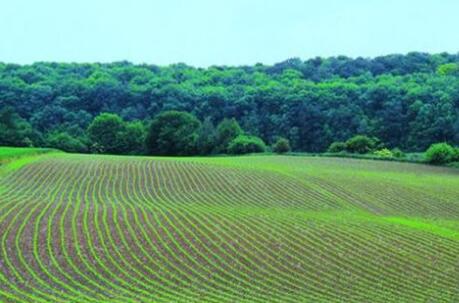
[[105, 133], [14, 131], [173, 133], [207, 138], [227, 130]]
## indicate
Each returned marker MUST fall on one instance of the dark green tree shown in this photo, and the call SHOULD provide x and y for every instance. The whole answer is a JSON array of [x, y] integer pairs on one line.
[[281, 146], [15, 131], [408, 101], [227, 131], [133, 138], [455, 157], [173, 133], [105, 133], [207, 138]]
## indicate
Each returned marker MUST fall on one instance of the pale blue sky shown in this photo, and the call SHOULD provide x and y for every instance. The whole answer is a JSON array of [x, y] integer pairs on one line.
[[222, 32]]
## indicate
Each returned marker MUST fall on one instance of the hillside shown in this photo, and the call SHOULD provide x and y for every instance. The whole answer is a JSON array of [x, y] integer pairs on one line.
[[407, 101], [87, 228]]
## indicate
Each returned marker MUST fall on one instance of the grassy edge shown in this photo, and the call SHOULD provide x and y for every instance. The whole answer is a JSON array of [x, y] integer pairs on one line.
[[16, 161], [425, 226], [416, 159]]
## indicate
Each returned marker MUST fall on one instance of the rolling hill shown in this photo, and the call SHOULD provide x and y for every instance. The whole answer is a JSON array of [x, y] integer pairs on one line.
[[87, 228]]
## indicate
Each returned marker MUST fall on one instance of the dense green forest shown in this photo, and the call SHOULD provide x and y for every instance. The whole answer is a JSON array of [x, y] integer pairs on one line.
[[406, 101]]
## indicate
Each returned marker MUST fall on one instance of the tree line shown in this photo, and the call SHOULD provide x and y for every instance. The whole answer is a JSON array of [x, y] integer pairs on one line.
[[406, 101], [170, 133]]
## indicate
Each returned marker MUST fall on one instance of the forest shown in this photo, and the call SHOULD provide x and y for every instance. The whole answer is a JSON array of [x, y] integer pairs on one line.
[[405, 101]]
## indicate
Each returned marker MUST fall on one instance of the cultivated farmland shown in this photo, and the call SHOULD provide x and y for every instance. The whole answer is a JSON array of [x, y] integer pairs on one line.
[[85, 228]]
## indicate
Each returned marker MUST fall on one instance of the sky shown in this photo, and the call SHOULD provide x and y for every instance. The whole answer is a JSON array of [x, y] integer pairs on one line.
[[222, 32]]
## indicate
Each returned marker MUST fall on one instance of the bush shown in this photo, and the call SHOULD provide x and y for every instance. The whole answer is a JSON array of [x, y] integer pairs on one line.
[[440, 153], [456, 155], [397, 153], [337, 147], [244, 144], [173, 133], [111, 134], [14, 131], [384, 153], [281, 146], [227, 131], [360, 144], [65, 142]]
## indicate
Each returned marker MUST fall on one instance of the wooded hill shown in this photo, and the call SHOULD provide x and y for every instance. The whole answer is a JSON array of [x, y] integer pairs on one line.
[[406, 101]]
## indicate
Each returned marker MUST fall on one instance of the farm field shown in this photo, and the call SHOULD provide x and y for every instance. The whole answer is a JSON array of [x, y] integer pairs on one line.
[[90, 228]]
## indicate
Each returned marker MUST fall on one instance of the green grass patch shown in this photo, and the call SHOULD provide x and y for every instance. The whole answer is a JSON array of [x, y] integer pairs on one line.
[[13, 158], [9, 153], [425, 226]]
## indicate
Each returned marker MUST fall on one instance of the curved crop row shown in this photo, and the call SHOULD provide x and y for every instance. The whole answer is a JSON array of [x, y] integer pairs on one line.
[[249, 229]]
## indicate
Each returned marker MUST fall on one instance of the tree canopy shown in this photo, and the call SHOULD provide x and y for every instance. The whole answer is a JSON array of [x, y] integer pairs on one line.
[[173, 133], [408, 101], [109, 133]]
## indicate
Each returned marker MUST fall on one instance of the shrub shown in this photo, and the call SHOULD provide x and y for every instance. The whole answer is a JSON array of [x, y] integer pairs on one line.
[[397, 153], [111, 134], [360, 144], [14, 131], [244, 144], [173, 133], [227, 131], [337, 147], [415, 157], [456, 155], [281, 146], [65, 142], [384, 153], [440, 153]]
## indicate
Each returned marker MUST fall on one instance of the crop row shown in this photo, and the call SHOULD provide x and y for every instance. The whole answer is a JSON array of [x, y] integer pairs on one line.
[[103, 229]]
